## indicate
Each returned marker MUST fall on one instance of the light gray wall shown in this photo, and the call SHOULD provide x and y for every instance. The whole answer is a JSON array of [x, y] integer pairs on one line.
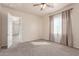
[[46, 26], [75, 25], [4, 30], [0, 29]]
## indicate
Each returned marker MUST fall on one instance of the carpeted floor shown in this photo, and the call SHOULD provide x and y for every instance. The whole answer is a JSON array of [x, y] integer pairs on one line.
[[39, 48]]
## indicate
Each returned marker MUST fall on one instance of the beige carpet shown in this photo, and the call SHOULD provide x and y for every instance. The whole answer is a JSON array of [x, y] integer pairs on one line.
[[39, 48]]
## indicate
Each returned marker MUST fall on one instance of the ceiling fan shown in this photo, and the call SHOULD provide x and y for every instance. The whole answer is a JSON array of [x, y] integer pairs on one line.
[[43, 5]]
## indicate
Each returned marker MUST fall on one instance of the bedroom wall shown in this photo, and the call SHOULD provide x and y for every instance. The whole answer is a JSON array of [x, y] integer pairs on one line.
[[46, 27], [31, 24], [0, 30], [75, 25]]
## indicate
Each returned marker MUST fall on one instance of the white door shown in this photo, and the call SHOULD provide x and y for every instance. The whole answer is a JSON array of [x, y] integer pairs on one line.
[[10, 30], [14, 30]]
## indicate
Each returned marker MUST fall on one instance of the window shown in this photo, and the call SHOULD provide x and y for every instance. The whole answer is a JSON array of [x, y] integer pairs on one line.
[[57, 26]]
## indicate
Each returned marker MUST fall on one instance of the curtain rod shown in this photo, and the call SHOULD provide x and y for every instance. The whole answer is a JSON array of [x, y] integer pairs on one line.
[[60, 12], [67, 9]]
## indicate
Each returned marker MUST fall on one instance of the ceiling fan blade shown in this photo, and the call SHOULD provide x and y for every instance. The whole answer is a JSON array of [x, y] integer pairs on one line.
[[36, 4], [50, 6]]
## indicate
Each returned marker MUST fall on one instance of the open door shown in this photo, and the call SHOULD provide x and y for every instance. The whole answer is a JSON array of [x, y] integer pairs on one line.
[[14, 30], [9, 30]]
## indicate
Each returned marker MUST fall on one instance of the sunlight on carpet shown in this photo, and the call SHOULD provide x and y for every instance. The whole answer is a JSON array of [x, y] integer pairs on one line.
[[40, 43]]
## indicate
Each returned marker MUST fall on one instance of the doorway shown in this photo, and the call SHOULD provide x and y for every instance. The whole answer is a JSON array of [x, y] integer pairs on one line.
[[14, 30]]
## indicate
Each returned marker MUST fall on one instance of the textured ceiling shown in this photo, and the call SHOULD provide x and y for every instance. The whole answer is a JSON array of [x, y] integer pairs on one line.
[[28, 7]]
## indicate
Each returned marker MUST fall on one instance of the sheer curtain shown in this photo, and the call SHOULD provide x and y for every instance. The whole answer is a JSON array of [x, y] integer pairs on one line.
[[56, 27]]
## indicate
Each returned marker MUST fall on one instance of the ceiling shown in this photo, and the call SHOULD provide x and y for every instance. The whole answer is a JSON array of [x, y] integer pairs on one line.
[[28, 7]]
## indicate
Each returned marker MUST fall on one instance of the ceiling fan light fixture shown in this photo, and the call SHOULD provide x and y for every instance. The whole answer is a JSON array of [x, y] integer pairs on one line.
[[41, 6], [44, 6]]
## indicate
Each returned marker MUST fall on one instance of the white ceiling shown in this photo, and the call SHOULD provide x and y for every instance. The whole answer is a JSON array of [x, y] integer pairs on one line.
[[28, 7]]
